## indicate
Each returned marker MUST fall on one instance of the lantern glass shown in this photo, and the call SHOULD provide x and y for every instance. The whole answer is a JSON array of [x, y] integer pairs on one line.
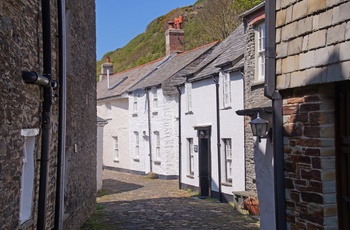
[[259, 126]]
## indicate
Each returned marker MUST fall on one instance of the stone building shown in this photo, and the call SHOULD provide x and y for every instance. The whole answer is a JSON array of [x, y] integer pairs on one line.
[[308, 83], [47, 133], [258, 151]]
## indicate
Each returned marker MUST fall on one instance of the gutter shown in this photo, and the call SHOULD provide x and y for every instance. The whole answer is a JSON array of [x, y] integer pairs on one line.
[[61, 155], [216, 81], [180, 143], [271, 92]]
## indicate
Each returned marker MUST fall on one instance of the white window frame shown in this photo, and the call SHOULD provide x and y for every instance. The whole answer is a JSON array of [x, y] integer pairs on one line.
[[226, 90], [260, 41], [189, 96], [134, 106], [228, 158], [109, 110], [155, 101], [116, 149], [137, 145], [157, 144], [190, 154], [27, 177]]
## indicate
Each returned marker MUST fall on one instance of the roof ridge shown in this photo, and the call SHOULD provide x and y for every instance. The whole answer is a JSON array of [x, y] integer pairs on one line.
[[139, 66], [209, 44], [151, 62]]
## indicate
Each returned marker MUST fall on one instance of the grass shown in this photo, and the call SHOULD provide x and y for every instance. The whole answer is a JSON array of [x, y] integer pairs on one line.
[[95, 222]]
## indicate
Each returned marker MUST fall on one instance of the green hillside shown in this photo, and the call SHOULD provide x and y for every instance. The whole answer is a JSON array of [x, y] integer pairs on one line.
[[204, 22]]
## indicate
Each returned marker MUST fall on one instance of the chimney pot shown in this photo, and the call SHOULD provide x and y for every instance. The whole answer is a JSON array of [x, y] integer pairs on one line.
[[170, 24], [174, 38]]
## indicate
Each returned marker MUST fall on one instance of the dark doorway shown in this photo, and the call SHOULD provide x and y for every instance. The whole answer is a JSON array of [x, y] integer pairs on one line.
[[204, 163], [343, 154]]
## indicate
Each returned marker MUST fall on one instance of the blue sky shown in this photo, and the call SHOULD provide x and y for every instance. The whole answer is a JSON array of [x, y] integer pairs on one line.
[[119, 21]]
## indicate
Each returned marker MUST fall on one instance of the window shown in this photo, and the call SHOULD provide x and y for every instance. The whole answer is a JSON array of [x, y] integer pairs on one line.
[[27, 180], [190, 156], [157, 144], [189, 96], [228, 159], [260, 52], [134, 107], [227, 90], [137, 145], [116, 149], [155, 101], [109, 110]]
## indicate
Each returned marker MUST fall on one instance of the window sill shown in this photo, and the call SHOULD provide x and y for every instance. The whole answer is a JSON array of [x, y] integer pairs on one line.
[[136, 159], [157, 162], [134, 114], [226, 108], [228, 184], [257, 83], [27, 225], [190, 176], [189, 112], [116, 160]]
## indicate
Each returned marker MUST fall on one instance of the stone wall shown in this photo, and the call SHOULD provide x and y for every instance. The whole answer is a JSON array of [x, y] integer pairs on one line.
[[313, 39], [21, 106], [310, 157], [253, 98]]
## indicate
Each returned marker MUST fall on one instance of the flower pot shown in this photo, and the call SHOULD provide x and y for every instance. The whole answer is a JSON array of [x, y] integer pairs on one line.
[[252, 205]]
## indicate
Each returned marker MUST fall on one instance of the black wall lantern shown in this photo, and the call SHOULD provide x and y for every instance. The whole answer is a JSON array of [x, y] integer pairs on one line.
[[260, 128]]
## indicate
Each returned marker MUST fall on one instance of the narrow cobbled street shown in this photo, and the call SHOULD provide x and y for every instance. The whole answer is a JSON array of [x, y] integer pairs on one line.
[[130, 201]]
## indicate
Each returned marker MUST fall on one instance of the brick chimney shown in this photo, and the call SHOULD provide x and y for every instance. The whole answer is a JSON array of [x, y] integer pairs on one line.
[[174, 36], [106, 66]]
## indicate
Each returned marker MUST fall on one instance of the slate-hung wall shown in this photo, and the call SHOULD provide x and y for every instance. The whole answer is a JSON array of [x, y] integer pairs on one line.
[[21, 106], [312, 39]]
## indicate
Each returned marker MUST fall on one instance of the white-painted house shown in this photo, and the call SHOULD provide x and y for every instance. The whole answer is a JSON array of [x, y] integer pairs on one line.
[[141, 135], [212, 135], [154, 117], [113, 106]]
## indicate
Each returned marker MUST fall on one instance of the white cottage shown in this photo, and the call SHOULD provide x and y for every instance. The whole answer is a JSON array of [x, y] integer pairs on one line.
[[212, 135], [141, 135]]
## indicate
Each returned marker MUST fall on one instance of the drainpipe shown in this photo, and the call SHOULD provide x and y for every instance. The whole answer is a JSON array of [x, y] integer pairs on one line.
[[216, 81], [45, 140], [59, 205], [149, 129], [271, 92], [180, 159]]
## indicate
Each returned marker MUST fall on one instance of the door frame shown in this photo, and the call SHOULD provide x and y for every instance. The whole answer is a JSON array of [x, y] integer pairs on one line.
[[204, 132], [342, 111]]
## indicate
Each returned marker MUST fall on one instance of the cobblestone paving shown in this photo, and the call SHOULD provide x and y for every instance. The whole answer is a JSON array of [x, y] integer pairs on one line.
[[135, 202]]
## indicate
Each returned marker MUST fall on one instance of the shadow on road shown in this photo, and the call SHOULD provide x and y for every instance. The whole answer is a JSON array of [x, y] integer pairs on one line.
[[111, 186]]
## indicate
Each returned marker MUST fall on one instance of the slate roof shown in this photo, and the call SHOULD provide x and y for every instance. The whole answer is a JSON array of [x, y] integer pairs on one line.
[[173, 66], [229, 52], [122, 81]]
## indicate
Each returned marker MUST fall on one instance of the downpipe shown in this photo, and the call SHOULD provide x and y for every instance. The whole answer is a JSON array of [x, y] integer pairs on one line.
[[46, 83], [149, 129], [180, 143], [271, 92], [216, 81]]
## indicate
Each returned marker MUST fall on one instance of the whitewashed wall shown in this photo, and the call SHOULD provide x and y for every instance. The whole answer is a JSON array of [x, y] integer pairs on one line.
[[139, 123], [163, 120], [231, 126], [117, 126]]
